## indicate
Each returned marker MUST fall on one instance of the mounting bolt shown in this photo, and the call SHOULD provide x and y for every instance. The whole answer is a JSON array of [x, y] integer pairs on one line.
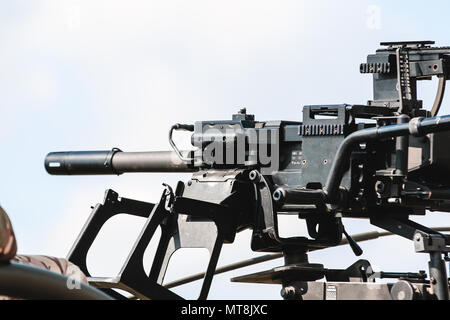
[[278, 195], [379, 187], [254, 175], [394, 200], [291, 293]]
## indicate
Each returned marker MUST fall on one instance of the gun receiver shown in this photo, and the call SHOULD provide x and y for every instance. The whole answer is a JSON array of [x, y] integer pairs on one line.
[[383, 161]]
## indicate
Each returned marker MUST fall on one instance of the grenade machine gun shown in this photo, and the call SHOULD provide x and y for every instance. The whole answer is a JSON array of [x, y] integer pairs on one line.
[[384, 161]]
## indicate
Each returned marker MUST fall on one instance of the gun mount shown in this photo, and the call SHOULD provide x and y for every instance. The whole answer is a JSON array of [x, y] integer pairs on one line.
[[384, 161]]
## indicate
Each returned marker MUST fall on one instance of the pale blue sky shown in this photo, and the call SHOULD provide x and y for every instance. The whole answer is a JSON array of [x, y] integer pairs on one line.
[[99, 74]]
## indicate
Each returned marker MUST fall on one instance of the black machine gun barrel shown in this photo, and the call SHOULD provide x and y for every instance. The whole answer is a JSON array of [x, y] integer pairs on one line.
[[113, 162]]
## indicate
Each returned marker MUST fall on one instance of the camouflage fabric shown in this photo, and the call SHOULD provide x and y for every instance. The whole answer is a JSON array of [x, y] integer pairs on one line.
[[8, 245], [58, 265], [8, 249]]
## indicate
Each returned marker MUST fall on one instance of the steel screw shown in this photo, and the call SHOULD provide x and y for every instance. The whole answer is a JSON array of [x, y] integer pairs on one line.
[[254, 175]]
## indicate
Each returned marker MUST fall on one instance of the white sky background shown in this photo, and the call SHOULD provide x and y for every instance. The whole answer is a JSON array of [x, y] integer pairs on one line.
[[91, 75]]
